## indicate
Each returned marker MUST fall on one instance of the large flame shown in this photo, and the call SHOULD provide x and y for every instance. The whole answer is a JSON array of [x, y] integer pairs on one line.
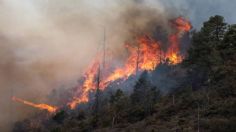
[[87, 86], [144, 54], [173, 53], [47, 107], [142, 57]]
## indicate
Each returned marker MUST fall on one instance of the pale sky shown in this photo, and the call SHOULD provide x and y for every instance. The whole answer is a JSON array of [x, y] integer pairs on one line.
[[201, 10]]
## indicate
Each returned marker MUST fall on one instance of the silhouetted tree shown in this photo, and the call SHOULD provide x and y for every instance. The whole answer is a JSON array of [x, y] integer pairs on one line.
[[145, 94], [118, 103], [204, 54]]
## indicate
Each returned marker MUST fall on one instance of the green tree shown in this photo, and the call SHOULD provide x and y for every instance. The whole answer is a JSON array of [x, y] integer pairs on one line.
[[117, 96], [204, 53], [214, 28], [205, 41], [145, 94], [228, 46], [60, 116], [118, 103], [224, 73]]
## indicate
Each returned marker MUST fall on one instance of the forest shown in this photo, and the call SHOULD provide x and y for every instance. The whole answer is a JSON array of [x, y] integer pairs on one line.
[[201, 96]]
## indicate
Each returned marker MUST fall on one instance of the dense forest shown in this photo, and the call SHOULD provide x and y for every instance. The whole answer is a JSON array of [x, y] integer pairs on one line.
[[203, 99]]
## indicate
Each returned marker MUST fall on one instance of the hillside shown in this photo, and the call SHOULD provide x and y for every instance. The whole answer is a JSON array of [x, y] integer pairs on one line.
[[198, 94]]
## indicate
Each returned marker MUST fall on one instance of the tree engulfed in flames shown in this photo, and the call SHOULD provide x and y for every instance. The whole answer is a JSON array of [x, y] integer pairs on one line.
[[47, 107], [145, 54], [173, 52], [87, 86], [143, 57]]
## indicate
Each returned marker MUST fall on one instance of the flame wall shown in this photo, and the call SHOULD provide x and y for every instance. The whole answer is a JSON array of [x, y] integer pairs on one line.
[[46, 45]]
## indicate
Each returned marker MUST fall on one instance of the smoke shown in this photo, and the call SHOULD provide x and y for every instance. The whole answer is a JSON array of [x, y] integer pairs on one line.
[[46, 44], [42, 47], [199, 11]]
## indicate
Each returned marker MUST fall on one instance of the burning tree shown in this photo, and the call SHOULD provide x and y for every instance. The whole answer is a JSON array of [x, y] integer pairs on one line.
[[145, 54], [181, 109]]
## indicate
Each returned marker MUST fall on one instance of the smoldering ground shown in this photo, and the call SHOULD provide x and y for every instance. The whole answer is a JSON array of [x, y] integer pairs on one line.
[[47, 44]]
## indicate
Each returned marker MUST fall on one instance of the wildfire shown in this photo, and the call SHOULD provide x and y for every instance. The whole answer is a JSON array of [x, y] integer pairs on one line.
[[47, 107], [173, 53], [142, 57], [182, 24], [145, 54], [87, 86]]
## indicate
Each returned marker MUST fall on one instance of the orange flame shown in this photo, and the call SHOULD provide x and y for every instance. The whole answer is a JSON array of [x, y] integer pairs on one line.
[[87, 86], [47, 107], [142, 57], [145, 54], [182, 24], [173, 53], [148, 60]]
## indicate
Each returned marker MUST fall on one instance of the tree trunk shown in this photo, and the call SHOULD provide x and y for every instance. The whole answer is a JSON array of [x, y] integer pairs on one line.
[[173, 99], [113, 121]]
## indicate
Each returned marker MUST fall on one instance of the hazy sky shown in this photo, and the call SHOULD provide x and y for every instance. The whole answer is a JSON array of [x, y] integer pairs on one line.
[[200, 10]]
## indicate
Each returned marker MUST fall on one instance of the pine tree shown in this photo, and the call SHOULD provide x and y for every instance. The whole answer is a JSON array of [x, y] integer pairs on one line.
[[204, 53], [118, 103], [145, 94], [224, 73]]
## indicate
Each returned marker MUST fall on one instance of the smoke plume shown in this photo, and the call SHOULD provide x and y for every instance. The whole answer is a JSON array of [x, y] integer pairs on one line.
[[47, 44]]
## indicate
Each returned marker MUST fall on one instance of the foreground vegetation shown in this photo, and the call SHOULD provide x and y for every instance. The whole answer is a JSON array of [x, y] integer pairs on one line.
[[204, 99]]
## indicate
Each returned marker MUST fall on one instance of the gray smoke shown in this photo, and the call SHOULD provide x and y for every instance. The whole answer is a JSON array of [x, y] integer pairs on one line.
[[46, 44]]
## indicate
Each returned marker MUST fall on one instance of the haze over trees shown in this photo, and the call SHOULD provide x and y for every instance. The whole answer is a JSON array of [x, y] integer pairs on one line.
[[205, 100]]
